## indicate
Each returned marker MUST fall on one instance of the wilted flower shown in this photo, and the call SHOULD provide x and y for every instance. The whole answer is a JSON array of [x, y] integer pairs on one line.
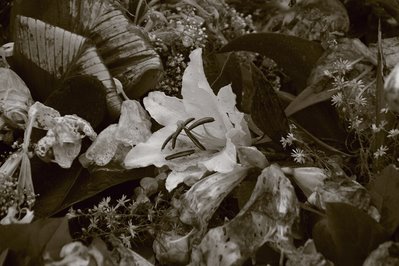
[[133, 127], [346, 191], [64, 134], [11, 217], [267, 217], [385, 254], [209, 144]]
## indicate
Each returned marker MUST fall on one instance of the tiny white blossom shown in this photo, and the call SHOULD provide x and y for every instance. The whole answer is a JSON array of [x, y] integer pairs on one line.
[[288, 140], [299, 155], [337, 99], [361, 100], [356, 122], [393, 133], [342, 66], [381, 151]]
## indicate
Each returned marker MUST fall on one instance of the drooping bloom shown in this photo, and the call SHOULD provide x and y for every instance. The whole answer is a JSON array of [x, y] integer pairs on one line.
[[193, 150]]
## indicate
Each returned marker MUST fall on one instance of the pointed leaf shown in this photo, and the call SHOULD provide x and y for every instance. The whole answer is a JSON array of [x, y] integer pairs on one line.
[[266, 110], [33, 240], [350, 234], [386, 185], [295, 55], [53, 184], [87, 186]]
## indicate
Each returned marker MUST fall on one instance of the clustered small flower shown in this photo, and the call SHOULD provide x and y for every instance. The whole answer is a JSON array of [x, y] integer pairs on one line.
[[126, 219], [236, 24], [356, 104], [174, 68]]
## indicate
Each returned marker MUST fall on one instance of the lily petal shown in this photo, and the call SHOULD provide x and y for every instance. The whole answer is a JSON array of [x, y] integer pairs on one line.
[[177, 177], [223, 161], [227, 104], [164, 109], [199, 99], [149, 152]]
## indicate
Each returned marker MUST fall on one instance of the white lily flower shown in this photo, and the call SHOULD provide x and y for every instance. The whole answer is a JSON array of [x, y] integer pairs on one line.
[[225, 129]]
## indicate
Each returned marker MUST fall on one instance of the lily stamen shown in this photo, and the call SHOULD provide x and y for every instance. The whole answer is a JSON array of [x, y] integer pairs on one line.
[[175, 134], [180, 154], [182, 126], [194, 139], [201, 122]]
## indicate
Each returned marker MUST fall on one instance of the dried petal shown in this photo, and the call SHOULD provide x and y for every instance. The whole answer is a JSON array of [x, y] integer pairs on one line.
[[345, 191], [171, 248], [200, 202], [15, 98], [134, 124], [103, 149], [307, 255], [11, 218], [307, 178], [386, 254], [267, 217]]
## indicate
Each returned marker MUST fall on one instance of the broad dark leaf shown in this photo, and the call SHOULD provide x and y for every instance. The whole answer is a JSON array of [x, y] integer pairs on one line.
[[237, 72], [295, 55], [386, 185], [267, 111], [35, 239], [47, 57], [124, 48], [89, 185], [347, 235], [53, 184]]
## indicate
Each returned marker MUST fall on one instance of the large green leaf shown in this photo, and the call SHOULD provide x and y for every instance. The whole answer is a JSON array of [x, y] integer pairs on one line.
[[295, 55], [347, 235], [29, 242], [123, 47]]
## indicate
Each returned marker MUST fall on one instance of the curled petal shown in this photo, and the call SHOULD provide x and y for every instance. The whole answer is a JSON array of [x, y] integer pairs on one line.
[[177, 177], [223, 161], [251, 156]]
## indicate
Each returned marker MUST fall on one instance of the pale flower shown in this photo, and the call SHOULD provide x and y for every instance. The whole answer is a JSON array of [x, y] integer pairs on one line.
[[298, 155], [12, 217], [381, 151], [393, 133], [211, 146]]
